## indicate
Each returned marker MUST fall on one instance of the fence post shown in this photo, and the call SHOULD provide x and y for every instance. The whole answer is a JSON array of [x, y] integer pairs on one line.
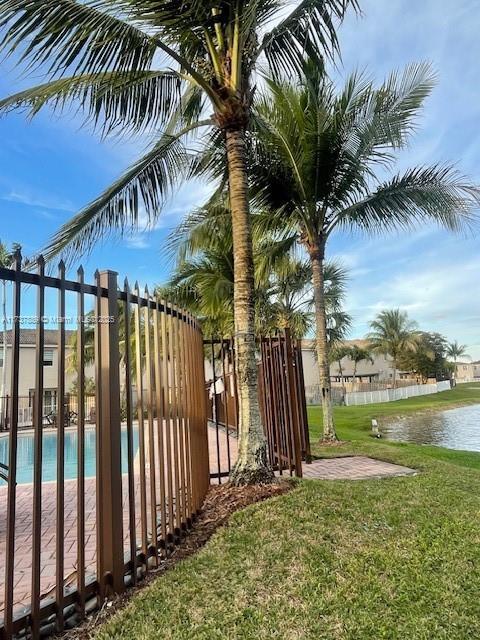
[[110, 561]]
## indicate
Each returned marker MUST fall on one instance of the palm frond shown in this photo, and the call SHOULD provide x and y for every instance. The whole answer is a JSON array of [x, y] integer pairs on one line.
[[121, 102], [309, 30], [201, 229], [67, 35], [439, 194], [145, 186]]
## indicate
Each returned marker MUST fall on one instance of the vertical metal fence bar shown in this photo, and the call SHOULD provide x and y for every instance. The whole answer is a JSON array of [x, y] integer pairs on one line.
[[81, 445], [226, 396], [168, 415], [293, 416], [267, 403], [174, 365], [189, 382], [182, 399], [191, 428], [110, 555], [203, 434], [141, 426], [215, 410], [273, 384], [12, 452], [153, 550], [160, 420], [234, 378], [60, 533], [284, 431], [303, 402], [38, 454], [181, 415], [272, 391], [132, 524]]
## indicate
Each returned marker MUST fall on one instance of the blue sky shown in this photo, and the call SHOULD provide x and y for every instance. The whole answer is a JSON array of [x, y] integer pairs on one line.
[[49, 168]]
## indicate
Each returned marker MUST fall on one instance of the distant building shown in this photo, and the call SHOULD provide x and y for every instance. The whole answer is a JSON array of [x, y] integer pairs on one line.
[[467, 371], [380, 371], [27, 366]]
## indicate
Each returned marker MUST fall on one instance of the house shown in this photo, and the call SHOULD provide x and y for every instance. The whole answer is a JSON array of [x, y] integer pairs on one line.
[[27, 366], [467, 371], [379, 371]]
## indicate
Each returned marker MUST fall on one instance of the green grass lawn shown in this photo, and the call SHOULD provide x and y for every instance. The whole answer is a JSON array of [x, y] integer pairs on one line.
[[392, 558]]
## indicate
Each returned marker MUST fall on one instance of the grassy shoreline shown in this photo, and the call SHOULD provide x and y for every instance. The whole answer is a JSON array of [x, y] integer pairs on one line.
[[345, 560], [354, 426]]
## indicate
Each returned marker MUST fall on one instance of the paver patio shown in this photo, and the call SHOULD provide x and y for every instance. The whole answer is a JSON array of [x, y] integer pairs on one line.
[[353, 468]]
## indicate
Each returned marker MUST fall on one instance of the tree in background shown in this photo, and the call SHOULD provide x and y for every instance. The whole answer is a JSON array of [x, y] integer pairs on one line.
[[358, 354], [103, 54], [427, 360], [454, 351], [317, 158], [337, 354], [203, 279], [394, 335]]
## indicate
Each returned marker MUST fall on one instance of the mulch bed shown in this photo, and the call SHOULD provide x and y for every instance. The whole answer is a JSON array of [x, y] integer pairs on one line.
[[221, 502]]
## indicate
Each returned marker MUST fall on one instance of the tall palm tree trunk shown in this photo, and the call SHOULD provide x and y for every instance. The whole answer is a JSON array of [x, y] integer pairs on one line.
[[252, 463], [317, 255]]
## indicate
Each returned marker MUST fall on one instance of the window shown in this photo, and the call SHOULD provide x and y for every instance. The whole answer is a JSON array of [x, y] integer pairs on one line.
[[48, 357], [50, 400]]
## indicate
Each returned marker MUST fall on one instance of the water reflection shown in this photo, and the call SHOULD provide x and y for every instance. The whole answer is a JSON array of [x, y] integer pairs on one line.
[[454, 428]]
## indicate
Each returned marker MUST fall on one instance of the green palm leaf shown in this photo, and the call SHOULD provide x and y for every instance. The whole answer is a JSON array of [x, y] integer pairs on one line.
[[66, 35], [120, 101], [147, 184], [439, 194]]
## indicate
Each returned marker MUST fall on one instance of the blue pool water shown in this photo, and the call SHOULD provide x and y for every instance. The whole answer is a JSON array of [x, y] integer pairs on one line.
[[49, 467]]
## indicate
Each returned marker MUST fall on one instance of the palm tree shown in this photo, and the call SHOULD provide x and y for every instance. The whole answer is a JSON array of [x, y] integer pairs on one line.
[[455, 351], [203, 278], [393, 334], [110, 48], [337, 354], [317, 158], [358, 354], [6, 259]]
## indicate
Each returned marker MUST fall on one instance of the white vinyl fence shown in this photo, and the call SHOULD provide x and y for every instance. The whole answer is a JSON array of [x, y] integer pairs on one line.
[[389, 395]]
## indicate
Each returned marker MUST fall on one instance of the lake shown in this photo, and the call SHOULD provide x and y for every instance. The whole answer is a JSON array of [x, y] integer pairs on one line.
[[455, 428]]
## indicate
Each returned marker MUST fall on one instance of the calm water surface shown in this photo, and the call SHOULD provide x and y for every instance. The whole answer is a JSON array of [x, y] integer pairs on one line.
[[454, 428], [26, 449]]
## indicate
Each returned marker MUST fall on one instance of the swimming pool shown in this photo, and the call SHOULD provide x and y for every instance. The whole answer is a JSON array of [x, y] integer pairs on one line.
[[25, 455]]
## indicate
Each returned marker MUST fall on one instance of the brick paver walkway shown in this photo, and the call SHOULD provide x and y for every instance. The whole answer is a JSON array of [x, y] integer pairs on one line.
[[353, 468]]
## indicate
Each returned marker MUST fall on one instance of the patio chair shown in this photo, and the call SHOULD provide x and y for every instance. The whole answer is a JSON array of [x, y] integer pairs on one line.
[[3, 472]]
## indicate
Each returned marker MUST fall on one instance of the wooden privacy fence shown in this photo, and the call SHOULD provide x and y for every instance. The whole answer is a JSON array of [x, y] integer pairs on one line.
[[104, 522], [282, 402]]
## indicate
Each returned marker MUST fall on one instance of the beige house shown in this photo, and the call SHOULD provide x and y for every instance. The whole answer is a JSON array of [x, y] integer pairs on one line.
[[380, 370], [28, 363], [467, 371]]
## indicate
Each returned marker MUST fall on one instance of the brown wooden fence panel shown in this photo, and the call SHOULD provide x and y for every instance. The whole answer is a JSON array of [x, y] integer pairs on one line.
[[129, 465]]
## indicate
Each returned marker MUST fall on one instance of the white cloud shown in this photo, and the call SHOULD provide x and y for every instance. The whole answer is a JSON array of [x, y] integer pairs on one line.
[[31, 199], [137, 241]]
